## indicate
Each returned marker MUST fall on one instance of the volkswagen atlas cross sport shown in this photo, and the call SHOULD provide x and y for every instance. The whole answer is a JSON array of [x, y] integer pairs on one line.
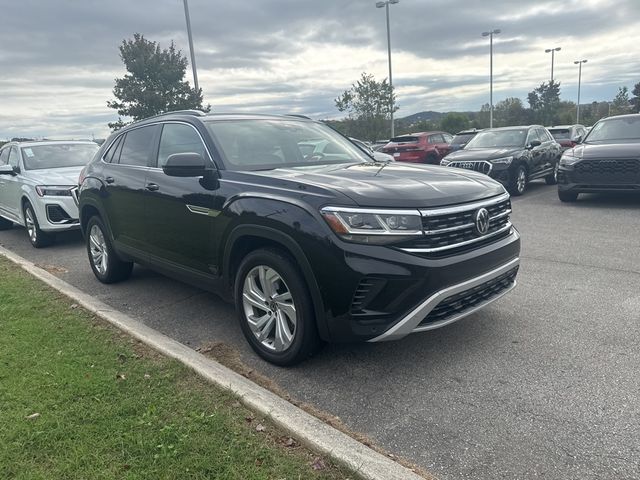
[[607, 160], [37, 181], [312, 247]]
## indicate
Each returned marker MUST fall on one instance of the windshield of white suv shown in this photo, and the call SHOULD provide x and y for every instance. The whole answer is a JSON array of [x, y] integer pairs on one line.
[[40, 157], [498, 139], [264, 144], [615, 129]]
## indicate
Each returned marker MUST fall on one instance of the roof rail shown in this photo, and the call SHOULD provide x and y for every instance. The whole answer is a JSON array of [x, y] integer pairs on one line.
[[195, 113], [298, 116]]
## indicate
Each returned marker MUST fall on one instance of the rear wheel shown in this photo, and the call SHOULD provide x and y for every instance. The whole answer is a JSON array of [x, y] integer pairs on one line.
[[105, 263], [37, 237], [567, 196], [432, 159], [518, 181], [274, 308]]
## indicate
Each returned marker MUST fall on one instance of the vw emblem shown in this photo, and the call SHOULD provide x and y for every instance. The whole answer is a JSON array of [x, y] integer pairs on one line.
[[482, 221]]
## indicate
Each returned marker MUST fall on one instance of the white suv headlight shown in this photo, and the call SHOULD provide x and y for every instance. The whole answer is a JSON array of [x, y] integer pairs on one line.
[[364, 225], [54, 190]]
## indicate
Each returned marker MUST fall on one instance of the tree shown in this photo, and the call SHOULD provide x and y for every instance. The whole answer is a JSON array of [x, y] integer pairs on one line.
[[454, 122], [545, 102], [154, 83], [508, 112], [635, 101], [368, 104], [621, 103]]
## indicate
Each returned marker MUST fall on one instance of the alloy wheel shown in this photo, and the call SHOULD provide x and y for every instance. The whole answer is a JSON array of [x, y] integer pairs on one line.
[[31, 225], [269, 308], [521, 181], [98, 249]]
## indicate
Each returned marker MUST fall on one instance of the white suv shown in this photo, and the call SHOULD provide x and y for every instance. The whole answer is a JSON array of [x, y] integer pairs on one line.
[[37, 180]]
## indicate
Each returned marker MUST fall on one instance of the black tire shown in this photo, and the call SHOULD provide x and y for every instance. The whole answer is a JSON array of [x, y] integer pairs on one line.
[[37, 237], [5, 224], [518, 182], [565, 196], [552, 179], [432, 159], [112, 269], [305, 340]]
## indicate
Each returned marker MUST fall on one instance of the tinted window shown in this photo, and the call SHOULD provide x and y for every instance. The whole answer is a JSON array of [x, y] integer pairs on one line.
[[13, 157], [498, 138], [4, 156], [462, 138], [405, 139], [560, 133], [179, 138], [137, 146], [616, 129], [39, 157], [112, 154]]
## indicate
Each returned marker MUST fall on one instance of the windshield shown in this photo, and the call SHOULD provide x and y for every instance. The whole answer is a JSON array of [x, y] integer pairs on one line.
[[264, 144], [613, 129], [498, 139], [462, 138], [39, 157], [562, 134]]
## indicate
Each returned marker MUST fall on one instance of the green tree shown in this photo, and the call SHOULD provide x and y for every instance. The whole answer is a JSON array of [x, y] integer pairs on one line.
[[368, 104], [509, 112], [154, 83], [453, 122], [635, 101], [621, 103], [544, 102]]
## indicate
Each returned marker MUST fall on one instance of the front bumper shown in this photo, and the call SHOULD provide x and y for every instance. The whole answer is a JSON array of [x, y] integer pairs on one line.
[[56, 214], [585, 178]]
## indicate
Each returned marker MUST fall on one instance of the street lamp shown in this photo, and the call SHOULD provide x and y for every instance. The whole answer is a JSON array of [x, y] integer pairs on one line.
[[193, 55], [386, 5], [553, 51], [490, 35], [579, 63]]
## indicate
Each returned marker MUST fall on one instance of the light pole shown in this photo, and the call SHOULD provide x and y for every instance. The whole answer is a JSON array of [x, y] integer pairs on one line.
[[579, 63], [553, 51], [386, 5], [490, 35], [193, 55]]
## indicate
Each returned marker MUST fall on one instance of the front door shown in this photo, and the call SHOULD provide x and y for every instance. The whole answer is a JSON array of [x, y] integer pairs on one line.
[[11, 186], [179, 212]]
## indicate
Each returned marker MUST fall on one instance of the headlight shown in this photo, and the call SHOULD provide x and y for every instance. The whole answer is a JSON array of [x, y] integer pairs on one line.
[[54, 190], [365, 225], [502, 160], [444, 163], [568, 159]]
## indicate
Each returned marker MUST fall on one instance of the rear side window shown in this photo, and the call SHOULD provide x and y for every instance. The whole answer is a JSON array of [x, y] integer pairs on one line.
[[137, 146], [179, 138], [436, 139]]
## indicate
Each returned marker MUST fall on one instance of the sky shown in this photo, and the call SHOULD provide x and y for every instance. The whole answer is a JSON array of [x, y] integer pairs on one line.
[[59, 58]]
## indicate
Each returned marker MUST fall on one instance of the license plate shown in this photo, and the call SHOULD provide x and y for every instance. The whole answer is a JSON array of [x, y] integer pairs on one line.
[[397, 154], [467, 165]]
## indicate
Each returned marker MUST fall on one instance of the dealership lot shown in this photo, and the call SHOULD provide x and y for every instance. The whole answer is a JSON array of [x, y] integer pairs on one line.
[[542, 383]]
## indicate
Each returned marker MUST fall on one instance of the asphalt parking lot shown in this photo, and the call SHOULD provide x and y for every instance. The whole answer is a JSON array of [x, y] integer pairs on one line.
[[543, 383]]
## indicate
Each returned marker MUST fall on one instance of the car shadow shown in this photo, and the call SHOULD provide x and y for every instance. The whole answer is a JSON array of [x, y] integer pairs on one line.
[[624, 200]]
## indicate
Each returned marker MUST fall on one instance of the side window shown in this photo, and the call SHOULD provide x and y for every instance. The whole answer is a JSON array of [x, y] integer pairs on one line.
[[112, 154], [137, 146], [542, 135], [179, 138], [13, 157], [4, 156], [447, 138], [436, 139], [532, 135]]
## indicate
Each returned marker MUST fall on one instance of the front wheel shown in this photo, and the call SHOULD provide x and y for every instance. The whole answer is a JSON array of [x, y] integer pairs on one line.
[[37, 237], [105, 263], [519, 181], [552, 178], [274, 308]]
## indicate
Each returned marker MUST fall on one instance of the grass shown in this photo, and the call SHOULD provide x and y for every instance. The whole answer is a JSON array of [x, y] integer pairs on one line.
[[79, 399]]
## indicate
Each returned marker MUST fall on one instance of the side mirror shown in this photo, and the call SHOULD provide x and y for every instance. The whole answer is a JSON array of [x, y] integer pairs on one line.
[[577, 139], [7, 170], [534, 144], [185, 165]]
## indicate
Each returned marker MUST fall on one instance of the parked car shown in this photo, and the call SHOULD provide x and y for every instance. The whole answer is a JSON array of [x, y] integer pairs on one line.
[[423, 147], [461, 139], [512, 155], [568, 136], [378, 156], [607, 160], [310, 248], [37, 180]]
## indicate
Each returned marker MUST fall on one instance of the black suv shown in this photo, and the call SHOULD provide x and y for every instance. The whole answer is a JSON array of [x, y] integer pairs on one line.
[[512, 155], [326, 246]]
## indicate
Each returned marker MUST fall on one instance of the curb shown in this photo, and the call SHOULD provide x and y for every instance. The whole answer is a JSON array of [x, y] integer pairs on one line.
[[312, 432]]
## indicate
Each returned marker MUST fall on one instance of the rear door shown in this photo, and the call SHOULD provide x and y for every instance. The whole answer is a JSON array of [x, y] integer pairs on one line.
[[179, 212], [125, 168], [551, 149]]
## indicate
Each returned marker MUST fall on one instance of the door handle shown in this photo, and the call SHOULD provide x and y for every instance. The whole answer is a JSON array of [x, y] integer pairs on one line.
[[152, 187], [109, 180]]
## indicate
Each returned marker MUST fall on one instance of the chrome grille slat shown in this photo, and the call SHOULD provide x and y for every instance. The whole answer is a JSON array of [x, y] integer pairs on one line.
[[476, 166]]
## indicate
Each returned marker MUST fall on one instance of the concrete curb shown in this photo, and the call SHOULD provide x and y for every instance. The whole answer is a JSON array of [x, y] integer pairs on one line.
[[314, 433]]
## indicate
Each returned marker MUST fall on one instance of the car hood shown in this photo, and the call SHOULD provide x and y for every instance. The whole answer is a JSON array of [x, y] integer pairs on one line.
[[394, 184], [589, 151], [54, 176], [481, 154]]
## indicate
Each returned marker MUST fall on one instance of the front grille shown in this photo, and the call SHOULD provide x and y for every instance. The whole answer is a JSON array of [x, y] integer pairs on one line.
[[482, 167], [453, 230], [463, 301], [624, 171]]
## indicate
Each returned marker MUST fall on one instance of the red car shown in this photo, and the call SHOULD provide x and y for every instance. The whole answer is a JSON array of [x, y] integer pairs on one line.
[[568, 136], [422, 147]]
